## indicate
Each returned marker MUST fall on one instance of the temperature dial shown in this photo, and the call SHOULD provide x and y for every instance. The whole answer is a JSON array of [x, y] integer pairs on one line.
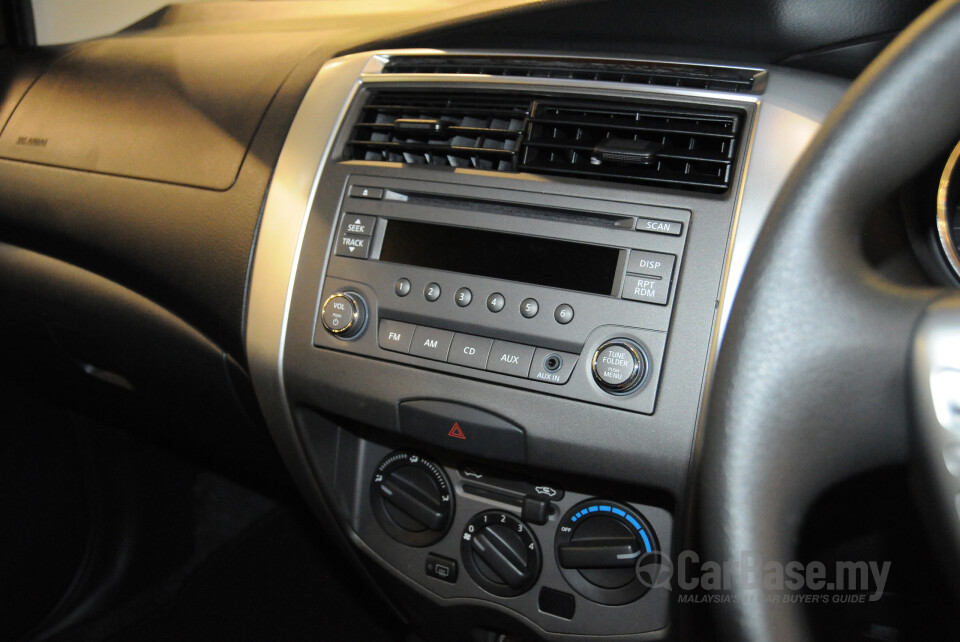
[[412, 499], [501, 553], [598, 544]]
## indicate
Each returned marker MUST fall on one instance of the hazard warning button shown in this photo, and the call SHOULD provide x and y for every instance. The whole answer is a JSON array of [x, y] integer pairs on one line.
[[463, 429]]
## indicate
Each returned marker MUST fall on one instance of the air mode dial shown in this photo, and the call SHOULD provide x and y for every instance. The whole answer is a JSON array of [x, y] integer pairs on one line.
[[412, 499]]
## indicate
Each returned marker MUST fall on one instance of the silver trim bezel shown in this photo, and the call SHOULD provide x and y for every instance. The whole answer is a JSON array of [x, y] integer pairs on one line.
[[943, 223]]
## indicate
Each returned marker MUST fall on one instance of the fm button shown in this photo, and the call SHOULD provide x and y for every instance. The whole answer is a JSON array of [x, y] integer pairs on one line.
[[619, 366]]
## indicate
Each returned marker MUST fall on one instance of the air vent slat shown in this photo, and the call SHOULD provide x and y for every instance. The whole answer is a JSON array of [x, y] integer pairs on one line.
[[707, 158], [477, 131], [683, 147], [693, 76], [471, 129], [696, 148]]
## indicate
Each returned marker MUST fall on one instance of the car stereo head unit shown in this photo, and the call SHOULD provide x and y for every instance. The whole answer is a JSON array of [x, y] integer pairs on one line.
[[575, 303]]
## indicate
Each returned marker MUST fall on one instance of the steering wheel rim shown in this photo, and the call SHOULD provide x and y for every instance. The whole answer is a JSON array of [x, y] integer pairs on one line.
[[812, 384]]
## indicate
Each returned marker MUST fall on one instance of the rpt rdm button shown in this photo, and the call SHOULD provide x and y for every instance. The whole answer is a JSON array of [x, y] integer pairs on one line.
[[395, 336], [646, 289]]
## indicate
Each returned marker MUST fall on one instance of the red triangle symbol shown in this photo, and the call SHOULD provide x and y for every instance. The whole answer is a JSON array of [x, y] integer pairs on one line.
[[456, 431]]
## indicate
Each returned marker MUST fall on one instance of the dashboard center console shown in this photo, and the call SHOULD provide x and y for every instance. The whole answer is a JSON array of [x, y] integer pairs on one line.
[[492, 337]]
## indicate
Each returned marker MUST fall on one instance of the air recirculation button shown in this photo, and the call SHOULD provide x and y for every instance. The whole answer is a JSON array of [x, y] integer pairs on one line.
[[501, 553], [412, 499]]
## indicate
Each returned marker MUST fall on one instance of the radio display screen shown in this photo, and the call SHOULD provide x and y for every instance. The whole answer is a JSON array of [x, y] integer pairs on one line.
[[528, 259]]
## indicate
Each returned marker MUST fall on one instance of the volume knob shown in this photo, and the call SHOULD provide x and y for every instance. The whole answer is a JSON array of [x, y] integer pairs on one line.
[[344, 314]]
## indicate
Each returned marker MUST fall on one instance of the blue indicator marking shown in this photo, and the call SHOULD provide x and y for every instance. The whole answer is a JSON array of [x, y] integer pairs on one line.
[[646, 541], [636, 524], [592, 509], [606, 509], [619, 512], [574, 518]]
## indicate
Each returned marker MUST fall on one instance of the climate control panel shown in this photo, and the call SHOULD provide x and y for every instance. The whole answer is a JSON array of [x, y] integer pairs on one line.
[[560, 557]]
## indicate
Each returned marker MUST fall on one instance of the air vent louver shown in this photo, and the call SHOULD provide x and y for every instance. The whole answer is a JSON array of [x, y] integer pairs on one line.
[[692, 76], [696, 149], [681, 148], [458, 130]]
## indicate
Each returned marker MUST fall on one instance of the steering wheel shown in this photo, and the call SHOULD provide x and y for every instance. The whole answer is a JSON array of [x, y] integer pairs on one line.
[[825, 364]]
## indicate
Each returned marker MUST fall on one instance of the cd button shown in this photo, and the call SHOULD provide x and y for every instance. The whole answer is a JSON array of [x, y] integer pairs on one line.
[[495, 302], [529, 308], [510, 358], [395, 336], [431, 292], [431, 343], [468, 350]]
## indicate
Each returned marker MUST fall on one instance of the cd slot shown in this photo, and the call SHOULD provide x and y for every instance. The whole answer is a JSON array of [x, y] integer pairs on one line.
[[484, 206]]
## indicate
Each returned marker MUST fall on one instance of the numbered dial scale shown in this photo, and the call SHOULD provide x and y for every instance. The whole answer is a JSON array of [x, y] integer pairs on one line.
[[501, 553]]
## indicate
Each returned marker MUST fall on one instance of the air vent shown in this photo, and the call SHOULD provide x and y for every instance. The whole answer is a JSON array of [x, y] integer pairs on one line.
[[681, 148], [457, 130], [673, 148], [693, 76]]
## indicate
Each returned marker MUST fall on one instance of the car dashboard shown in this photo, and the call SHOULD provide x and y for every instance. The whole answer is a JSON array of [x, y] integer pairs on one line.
[[472, 296]]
